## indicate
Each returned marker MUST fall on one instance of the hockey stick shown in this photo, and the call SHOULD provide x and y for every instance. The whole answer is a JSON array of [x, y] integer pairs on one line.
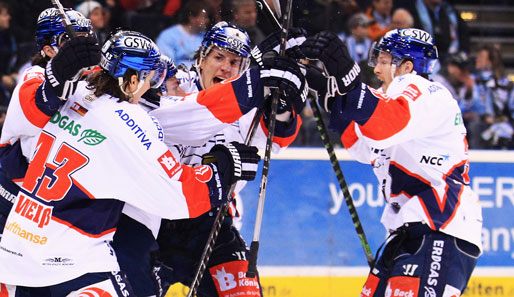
[[333, 159], [220, 216], [66, 21], [263, 5], [254, 247], [342, 181]]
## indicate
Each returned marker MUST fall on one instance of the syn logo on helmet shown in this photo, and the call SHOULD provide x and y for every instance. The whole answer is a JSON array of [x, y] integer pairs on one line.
[[137, 42]]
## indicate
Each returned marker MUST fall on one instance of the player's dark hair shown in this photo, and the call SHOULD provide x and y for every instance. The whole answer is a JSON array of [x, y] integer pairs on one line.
[[38, 60], [104, 83]]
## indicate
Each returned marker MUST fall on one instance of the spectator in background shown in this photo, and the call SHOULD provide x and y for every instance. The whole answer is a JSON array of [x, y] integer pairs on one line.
[[442, 21], [244, 15], [8, 49], [494, 89], [380, 13], [319, 15], [180, 41], [214, 8], [357, 41], [456, 76], [401, 19], [171, 7], [95, 12]]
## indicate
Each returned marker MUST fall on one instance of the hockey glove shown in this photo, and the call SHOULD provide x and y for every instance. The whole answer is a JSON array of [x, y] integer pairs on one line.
[[284, 73], [296, 36], [331, 50], [322, 86], [235, 161], [62, 71]]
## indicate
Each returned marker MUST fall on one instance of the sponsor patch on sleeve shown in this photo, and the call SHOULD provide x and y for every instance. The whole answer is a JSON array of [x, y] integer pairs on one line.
[[169, 164], [402, 286], [370, 286], [203, 173]]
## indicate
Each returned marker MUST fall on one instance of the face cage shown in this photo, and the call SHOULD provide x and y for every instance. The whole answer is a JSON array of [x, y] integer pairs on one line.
[[57, 40], [158, 76], [374, 52]]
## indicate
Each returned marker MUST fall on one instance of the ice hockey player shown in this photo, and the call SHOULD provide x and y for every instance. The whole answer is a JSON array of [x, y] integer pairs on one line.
[[25, 118], [412, 134], [84, 170]]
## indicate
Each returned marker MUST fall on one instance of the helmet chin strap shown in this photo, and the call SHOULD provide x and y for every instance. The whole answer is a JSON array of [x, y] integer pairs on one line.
[[130, 95], [199, 71], [393, 70]]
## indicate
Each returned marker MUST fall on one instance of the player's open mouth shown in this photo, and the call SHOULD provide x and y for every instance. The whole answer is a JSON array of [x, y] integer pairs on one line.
[[217, 80]]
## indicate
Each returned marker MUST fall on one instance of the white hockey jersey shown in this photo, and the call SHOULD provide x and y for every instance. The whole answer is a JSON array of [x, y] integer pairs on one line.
[[92, 157], [414, 138], [24, 120], [214, 109], [172, 111]]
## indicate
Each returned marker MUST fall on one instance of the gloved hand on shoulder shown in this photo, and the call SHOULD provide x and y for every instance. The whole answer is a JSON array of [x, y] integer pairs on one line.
[[63, 71]]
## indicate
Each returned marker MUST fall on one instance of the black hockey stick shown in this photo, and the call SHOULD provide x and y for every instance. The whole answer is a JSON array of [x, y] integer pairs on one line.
[[218, 220], [64, 17], [264, 7], [342, 181], [254, 247], [333, 159]]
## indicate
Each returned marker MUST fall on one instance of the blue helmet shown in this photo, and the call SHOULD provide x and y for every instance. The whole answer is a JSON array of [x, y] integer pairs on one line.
[[407, 44], [50, 28], [132, 50], [228, 37]]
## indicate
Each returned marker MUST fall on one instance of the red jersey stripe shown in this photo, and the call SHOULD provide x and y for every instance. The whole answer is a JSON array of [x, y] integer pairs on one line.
[[28, 103], [221, 101]]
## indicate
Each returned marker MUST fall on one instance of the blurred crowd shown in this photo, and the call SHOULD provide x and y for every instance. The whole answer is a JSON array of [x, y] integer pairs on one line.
[[479, 84]]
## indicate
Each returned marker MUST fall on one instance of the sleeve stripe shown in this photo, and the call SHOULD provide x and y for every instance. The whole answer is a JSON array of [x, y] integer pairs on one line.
[[221, 101], [28, 103]]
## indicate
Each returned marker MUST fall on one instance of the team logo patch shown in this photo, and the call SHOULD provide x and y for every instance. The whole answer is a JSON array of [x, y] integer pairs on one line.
[[370, 286], [169, 164], [81, 110], [93, 292], [402, 286], [203, 173], [230, 280]]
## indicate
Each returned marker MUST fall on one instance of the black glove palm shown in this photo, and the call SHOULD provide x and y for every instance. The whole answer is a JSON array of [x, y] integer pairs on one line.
[[75, 54], [323, 86], [331, 50], [285, 74]]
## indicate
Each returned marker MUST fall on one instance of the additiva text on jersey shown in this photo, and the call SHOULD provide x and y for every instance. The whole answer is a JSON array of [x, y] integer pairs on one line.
[[135, 128]]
